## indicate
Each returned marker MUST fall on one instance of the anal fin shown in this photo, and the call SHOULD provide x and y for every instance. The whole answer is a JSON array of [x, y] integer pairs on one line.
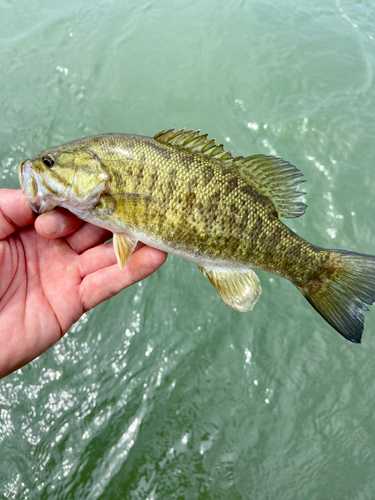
[[240, 290], [123, 245]]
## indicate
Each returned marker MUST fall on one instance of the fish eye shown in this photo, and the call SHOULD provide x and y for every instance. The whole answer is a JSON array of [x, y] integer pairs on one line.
[[48, 161]]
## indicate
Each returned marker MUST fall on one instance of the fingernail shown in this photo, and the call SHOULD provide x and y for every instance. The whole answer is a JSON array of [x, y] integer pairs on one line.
[[50, 223]]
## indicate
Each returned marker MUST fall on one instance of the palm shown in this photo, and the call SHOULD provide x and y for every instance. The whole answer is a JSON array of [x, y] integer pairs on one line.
[[45, 278], [46, 285]]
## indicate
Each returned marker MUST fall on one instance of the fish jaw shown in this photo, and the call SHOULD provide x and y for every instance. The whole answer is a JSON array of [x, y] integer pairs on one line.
[[39, 199], [44, 194]]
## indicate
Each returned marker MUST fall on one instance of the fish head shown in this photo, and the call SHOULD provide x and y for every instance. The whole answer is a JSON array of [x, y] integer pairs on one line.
[[70, 177]]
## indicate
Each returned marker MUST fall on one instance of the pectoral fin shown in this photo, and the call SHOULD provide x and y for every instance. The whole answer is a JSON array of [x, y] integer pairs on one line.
[[130, 208], [240, 290], [123, 245]]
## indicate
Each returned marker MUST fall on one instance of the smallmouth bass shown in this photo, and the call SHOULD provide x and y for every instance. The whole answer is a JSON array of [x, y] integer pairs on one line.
[[183, 194]]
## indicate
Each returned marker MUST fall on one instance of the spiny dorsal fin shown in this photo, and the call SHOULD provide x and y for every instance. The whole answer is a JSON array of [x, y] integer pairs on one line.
[[273, 177], [276, 179], [190, 139]]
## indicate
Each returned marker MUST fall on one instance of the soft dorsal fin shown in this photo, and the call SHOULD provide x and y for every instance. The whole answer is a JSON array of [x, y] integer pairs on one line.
[[276, 179], [273, 177]]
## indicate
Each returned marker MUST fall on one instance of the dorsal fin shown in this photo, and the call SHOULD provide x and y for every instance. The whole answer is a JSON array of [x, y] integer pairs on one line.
[[273, 177], [276, 179], [190, 139]]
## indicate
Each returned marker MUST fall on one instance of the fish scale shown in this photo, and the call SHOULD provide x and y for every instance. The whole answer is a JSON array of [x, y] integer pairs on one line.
[[227, 241], [182, 193]]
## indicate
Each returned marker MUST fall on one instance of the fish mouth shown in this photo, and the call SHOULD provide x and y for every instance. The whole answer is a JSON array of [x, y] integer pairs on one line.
[[37, 206], [32, 187], [24, 173]]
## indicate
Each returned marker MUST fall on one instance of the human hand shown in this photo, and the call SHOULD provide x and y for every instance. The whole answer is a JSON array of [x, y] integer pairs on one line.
[[48, 282]]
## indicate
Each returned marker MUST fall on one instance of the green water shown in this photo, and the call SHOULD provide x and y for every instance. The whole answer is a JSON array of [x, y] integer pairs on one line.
[[164, 391]]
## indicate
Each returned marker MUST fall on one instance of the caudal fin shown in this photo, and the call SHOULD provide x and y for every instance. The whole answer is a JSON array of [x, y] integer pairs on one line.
[[344, 293]]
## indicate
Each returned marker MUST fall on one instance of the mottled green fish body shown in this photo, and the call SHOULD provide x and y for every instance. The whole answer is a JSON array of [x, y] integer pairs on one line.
[[182, 193]]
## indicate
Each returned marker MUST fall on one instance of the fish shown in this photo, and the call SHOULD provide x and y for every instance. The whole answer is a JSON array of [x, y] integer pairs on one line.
[[182, 193]]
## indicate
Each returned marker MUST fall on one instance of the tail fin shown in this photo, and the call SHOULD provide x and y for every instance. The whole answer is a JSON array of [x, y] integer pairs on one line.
[[342, 297]]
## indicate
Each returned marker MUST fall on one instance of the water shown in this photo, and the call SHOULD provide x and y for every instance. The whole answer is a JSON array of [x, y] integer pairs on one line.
[[165, 392]]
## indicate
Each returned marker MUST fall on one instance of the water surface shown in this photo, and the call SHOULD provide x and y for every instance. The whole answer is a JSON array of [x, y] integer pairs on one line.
[[164, 391]]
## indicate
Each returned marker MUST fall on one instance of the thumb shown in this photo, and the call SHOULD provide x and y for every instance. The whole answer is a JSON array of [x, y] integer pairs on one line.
[[57, 224]]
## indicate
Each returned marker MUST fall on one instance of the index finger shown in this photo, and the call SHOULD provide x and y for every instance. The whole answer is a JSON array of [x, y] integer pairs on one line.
[[15, 212]]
